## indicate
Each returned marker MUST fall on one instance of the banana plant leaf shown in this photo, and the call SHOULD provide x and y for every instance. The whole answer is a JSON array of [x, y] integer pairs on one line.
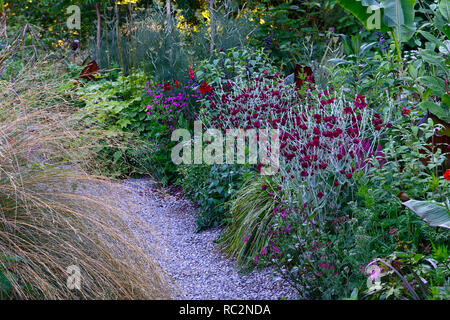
[[396, 15], [360, 8], [433, 213], [399, 14]]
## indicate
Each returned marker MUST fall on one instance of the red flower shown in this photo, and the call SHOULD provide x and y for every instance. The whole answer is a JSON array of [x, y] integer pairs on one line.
[[447, 175], [177, 84], [167, 86], [191, 73], [258, 167], [204, 88], [320, 195], [348, 110]]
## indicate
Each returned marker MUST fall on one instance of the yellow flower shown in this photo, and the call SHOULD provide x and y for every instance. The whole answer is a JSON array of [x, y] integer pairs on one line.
[[205, 14], [261, 21], [127, 2]]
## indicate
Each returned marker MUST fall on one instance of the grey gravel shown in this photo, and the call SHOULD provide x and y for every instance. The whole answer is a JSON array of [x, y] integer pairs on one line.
[[191, 259]]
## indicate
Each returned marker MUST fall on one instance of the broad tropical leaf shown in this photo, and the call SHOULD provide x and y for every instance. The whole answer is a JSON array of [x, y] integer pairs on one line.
[[360, 9], [397, 15], [435, 214]]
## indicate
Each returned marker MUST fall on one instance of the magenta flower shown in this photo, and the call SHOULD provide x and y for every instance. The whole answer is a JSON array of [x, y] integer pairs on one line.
[[375, 273]]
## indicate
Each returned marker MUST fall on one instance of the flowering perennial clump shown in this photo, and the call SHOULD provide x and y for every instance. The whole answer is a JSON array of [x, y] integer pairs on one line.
[[168, 103], [326, 140]]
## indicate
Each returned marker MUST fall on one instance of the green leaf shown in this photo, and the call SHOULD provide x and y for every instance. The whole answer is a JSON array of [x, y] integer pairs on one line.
[[417, 257], [5, 283], [433, 213], [359, 9], [395, 14], [354, 295], [117, 156], [434, 108], [339, 61], [434, 83], [433, 58], [123, 123], [427, 93], [399, 14], [446, 100], [431, 38], [444, 8], [412, 71], [444, 48], [446, 30]]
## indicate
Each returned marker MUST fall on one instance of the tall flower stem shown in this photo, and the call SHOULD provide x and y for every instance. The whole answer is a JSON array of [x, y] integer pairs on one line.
[[398, 49]]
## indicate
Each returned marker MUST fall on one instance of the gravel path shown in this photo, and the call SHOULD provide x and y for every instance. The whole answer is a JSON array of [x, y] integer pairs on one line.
[[191, 259]]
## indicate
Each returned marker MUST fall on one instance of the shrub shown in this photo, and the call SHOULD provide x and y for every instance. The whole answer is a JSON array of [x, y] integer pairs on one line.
[[328, 258], [283, 26], [145, 119], [316, 256], [211, 187], [234, 64]]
